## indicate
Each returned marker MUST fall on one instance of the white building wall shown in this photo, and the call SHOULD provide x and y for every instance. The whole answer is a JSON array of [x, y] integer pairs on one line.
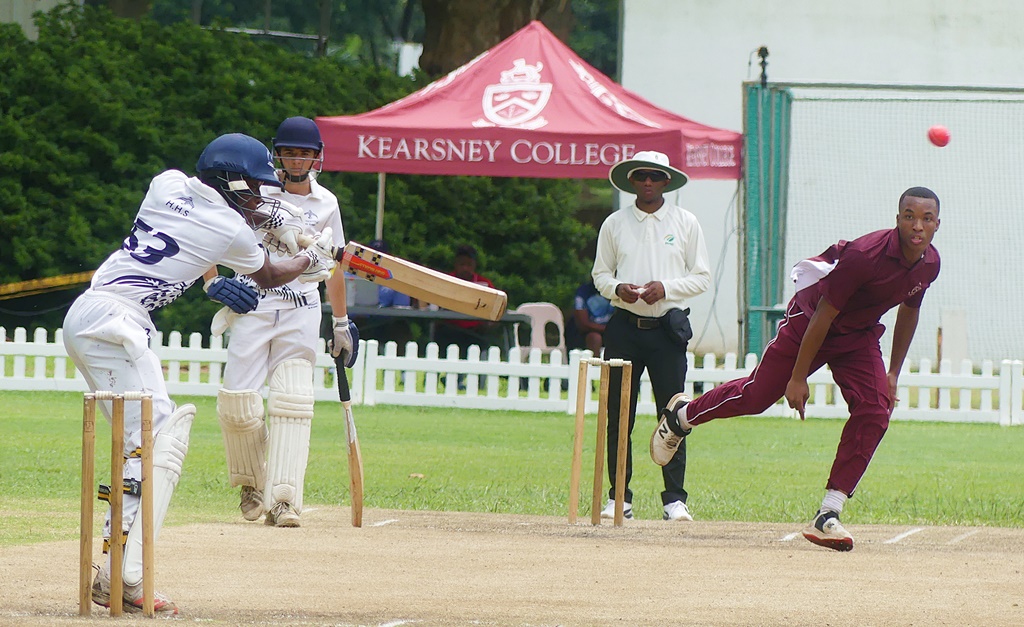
[[20, 12], [691, 56]]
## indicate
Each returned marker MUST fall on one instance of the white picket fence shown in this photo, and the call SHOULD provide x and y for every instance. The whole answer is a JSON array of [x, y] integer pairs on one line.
[[529, 383]]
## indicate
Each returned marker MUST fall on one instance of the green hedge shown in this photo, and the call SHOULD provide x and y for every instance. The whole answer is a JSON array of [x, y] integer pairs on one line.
[[97, 106]]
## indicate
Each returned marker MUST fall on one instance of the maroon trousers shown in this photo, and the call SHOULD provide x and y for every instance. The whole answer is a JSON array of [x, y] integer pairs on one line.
[[856, 363]]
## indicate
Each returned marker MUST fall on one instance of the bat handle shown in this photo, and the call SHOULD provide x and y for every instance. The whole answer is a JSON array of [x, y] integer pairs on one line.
[[344, 394], [306, 241]]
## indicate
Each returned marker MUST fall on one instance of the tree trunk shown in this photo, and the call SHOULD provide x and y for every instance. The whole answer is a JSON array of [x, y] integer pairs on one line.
[[458, 30]]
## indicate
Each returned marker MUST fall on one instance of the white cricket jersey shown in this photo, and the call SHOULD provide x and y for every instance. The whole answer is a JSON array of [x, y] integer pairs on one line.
[[183, 228], [319, 211], [637, 247]]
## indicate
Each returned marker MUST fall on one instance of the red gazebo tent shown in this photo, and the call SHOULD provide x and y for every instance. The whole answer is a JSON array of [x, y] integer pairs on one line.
[[528, 107]]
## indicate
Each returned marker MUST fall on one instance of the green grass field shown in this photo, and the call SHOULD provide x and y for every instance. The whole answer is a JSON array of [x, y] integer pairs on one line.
[[744, 469]]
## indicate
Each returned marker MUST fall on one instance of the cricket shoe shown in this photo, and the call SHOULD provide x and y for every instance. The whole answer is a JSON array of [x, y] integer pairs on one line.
[[132, 597], [669, 435], [826, 530], [677, 510], [609, 510], [251, 503], [282, 515]]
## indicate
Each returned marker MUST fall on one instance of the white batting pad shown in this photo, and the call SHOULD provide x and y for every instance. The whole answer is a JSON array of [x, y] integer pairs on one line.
[[169, 448], [290, 415], [245, 436]]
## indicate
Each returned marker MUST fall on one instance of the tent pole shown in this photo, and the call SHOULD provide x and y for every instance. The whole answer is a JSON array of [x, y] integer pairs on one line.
[[379, 232]]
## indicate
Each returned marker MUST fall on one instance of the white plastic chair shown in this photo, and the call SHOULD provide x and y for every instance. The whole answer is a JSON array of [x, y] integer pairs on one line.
[[541, 315]]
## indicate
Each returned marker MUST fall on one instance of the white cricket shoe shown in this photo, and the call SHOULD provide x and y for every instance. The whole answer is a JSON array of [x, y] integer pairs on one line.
[[132, 597], [282, 515], [669, 434], [609, 510], [677, 510], [826, 530], [251, 503]]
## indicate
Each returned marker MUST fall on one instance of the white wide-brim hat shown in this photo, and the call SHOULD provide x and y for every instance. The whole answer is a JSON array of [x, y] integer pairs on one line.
[[645, 160]]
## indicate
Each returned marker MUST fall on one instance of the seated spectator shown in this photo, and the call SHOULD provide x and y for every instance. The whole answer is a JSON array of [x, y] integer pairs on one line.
[[591, 312], [466, 333]]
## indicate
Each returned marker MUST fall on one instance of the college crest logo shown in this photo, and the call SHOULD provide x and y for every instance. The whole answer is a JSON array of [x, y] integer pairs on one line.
[[517, 101]]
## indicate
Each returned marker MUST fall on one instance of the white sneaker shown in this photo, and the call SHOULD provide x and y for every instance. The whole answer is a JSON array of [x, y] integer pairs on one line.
[[251, 503], [826, 530], [609, 510], [665, 441], [282, 514], [677, 510], [132, 597]]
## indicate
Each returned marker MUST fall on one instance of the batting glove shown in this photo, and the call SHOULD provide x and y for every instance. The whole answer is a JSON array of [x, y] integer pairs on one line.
[[281, 233], [237, 296], [345, 343], [321, 259]]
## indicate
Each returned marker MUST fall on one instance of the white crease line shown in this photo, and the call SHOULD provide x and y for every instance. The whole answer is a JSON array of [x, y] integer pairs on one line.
[[963, 536], [790, 537], [904, 535], [381, 524], [394, 623]]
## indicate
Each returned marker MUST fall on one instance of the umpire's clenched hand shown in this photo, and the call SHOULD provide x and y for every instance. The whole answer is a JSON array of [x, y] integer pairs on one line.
[[652, 292], [628, 292]]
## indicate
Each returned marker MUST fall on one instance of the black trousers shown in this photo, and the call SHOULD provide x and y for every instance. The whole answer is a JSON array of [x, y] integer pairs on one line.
[[665, 362]]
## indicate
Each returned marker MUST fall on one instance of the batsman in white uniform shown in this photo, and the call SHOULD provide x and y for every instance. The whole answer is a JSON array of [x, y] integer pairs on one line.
[[268, 450], [183, 227]]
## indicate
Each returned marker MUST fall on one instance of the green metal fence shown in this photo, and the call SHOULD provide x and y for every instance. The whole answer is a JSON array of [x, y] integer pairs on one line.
[[766, 160]]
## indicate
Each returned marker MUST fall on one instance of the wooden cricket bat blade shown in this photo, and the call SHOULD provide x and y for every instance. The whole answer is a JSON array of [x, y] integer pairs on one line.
[[355, 467], [355, 456], [412, 279], [425, 284]]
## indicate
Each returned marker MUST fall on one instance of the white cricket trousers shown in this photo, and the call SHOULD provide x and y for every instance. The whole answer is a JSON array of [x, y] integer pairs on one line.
[[261, 340], [107, 337]]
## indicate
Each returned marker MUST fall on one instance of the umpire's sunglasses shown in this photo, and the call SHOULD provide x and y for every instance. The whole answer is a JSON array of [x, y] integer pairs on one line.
[[649, 175]]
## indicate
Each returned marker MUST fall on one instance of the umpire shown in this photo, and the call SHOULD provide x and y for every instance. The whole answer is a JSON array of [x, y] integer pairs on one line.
[[651, 259]]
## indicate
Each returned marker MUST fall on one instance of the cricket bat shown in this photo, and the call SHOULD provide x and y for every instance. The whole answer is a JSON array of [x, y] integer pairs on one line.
[[422, 283], [355, 457]]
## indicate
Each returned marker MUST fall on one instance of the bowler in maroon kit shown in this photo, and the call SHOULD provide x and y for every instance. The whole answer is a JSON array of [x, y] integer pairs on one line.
[[834, 319]]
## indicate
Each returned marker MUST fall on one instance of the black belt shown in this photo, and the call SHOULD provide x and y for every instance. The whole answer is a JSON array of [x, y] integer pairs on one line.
[[641, 322]]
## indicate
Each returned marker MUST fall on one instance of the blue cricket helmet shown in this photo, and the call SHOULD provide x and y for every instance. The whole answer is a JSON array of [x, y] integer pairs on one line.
[[298, 132], [236, 165], [239, 154]]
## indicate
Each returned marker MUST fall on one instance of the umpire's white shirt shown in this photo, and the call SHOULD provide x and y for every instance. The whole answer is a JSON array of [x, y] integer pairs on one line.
[[637, 247]]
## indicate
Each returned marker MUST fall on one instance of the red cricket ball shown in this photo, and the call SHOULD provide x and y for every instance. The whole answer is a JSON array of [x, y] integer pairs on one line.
[[939, 135]]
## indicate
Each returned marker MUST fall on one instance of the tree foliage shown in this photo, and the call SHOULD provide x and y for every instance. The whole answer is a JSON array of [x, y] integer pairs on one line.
[[97, 106]]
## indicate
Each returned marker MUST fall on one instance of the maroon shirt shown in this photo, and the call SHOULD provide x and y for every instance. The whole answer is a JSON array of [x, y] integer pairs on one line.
[[870, 278]]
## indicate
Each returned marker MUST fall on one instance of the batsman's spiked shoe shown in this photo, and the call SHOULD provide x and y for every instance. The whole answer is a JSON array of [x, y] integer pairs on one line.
[[132, 597], [609, 510], [282, 515], [826, 530], [251, 503], [101, 586], [669, 434]]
